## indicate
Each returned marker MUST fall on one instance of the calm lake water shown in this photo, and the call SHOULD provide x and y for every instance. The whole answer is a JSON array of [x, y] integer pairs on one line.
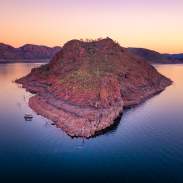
[[146, 145]]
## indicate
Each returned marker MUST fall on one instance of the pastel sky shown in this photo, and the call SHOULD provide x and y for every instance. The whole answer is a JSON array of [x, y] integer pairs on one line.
[[153, 24]]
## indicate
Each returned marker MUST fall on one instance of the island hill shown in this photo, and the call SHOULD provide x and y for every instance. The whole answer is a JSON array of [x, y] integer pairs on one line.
[[86, 85]]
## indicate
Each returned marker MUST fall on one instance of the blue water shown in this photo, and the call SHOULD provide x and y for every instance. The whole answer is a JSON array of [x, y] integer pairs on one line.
[[146, 146]]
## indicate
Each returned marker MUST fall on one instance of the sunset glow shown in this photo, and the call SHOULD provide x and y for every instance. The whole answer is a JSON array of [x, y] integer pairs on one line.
[[153, 24]]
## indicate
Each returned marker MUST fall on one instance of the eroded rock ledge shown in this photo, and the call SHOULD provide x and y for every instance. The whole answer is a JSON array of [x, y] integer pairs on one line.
[[87, 84]]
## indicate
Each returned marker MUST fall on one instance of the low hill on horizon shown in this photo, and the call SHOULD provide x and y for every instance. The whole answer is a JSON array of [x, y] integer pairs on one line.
[[26, 52], [178, 56], [156, 57]]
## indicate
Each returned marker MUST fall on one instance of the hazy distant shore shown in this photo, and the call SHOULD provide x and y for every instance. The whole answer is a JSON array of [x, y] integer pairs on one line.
[[11, 61]]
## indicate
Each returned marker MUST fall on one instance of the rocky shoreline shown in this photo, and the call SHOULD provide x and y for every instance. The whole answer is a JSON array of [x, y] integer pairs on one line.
[[88, 84]]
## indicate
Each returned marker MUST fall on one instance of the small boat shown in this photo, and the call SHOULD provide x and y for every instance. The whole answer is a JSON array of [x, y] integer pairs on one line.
[[28, 117]]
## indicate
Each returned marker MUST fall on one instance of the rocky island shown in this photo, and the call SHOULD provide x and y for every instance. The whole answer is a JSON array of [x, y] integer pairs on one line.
[[86, 85]]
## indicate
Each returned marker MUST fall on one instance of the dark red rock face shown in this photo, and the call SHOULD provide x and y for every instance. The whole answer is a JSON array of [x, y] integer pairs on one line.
[[87, 84]]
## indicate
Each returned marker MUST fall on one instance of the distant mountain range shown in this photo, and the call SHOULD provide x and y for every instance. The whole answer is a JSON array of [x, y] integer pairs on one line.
[[156, 57], [33, 53], [174, 56], [27, 52]]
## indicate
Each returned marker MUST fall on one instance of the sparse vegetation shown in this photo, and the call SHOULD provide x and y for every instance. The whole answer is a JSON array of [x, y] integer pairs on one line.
[[81, 79]]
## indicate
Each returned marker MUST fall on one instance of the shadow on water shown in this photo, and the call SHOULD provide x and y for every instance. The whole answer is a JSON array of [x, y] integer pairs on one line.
[[114, 126], [110, 129]]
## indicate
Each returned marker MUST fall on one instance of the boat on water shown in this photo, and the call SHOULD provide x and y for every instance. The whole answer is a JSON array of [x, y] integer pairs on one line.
[[28, 117]]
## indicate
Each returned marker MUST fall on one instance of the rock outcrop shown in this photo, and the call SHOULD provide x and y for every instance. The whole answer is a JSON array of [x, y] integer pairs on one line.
[[87, 85]]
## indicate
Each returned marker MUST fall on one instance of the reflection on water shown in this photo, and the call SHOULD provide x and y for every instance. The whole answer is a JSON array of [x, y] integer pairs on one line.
[[146, 145]]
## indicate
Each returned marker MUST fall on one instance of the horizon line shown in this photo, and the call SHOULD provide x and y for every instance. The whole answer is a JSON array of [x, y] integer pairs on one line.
[[46, 45]]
